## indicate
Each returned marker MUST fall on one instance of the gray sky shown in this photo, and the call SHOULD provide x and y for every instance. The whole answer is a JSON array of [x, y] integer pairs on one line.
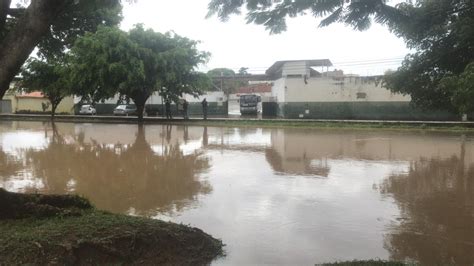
[[235, 44]]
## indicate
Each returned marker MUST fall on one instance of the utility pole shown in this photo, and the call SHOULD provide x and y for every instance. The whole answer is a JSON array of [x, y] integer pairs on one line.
[[222, 81]]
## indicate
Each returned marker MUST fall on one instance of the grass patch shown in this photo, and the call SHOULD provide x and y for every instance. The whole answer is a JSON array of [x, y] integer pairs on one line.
[[349, 125], [365, 263], [80, 234]]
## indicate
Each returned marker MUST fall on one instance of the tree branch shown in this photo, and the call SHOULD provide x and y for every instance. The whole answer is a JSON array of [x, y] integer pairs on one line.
[[4, 8], [16, 12], [20, 41]]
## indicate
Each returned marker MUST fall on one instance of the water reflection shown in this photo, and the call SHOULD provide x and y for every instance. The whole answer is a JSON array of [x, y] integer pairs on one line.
[[275, 196], [121, 178], [436, 199]]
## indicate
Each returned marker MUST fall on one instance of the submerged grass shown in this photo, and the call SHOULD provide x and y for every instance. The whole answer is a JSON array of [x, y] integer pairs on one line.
[[446, 126], [366, 263], [346, 124], [90, 236]]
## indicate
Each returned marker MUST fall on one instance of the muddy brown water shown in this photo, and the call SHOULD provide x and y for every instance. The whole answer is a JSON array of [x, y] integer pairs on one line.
[[274, 196]]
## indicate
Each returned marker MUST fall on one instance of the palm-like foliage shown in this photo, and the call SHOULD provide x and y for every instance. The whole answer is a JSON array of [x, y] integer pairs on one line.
[[272, 14]]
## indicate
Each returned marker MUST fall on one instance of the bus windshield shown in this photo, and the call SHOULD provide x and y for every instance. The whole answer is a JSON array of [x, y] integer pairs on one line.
[[248, 98]]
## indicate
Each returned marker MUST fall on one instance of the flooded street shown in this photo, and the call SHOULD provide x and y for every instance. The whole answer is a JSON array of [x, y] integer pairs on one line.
[[274, 196]]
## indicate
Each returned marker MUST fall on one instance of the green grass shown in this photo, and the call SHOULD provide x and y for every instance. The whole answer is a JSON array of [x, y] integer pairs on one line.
[[366, 263], [326, 125], [87, 235]]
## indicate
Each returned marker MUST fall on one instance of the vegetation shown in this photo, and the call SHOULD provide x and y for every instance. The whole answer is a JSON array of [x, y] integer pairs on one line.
[[68, 230], [228, 86], [51, 78], [441, 33], [50, 25], [137, 64], [365, 263]]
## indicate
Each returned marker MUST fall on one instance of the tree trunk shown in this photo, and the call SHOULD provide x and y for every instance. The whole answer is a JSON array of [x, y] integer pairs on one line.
[[24, 36], [53, 110], [140, 108], [55, 101], [140, 98], [4, 8]]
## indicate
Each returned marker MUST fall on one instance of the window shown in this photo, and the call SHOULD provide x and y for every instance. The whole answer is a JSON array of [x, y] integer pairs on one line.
[[361, 95]]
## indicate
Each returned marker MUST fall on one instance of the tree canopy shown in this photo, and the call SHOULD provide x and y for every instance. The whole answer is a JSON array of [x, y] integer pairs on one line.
[[273, 14], [441, 33], [227, 85], [136, 64], [50, 25], [51, 78]]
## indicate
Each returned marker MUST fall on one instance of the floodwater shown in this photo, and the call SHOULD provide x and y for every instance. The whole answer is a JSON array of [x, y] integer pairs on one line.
[[274, 196]]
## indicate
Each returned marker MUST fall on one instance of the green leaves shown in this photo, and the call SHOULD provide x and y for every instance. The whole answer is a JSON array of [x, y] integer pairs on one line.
[[442, 33], [273, 14], [52, 78], [136, 64], [462, 88], [78, 18]]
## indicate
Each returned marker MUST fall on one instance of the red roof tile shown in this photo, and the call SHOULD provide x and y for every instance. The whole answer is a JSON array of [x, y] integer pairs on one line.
[[34, 94], [259, 88]]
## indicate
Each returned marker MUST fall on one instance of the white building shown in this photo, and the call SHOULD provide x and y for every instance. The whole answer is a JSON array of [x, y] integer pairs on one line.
[[306, 89]]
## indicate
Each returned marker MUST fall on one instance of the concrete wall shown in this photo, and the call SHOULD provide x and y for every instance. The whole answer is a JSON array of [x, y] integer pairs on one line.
[[217, 104], [34, 105], [278, 90], [346, 97], [324, 89]]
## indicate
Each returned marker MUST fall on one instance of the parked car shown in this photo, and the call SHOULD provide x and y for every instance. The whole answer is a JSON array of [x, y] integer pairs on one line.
[[87, 109], [125, 110]]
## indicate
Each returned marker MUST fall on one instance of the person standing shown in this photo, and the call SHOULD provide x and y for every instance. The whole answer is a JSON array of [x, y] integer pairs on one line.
[[185, 109], [204, 108], [168, 109]]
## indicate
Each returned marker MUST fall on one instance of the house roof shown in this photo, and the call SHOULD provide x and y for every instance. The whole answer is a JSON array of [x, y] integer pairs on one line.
[[34, 94], [259, 88], [311, 63]]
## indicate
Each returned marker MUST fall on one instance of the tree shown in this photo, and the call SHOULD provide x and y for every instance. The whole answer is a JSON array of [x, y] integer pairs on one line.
[[50, 25], [243, 71], [462, 88], [440, 32], [442, 35], [227, 85], [273, 14], [51, 78], [136, 64]]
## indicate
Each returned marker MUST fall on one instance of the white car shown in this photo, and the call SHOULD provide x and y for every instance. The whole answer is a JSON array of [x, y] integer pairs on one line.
[[87, 109]]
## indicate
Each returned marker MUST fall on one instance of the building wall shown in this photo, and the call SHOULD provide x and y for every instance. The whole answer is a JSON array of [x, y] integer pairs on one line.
[[349, 89], [278, 90], [217, 105], [346, 98], [295, 68], [34, 105]]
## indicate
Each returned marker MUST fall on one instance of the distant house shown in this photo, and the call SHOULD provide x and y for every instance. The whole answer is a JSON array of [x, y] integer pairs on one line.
[[35, 102], [307, 89]]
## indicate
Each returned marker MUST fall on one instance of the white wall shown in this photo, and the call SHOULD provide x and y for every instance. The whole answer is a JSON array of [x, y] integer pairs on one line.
[[278, 90], [326, 89], [295, 68], [211, 96]]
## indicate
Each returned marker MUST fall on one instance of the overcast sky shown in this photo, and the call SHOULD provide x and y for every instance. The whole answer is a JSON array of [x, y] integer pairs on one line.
[[235, 44]]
